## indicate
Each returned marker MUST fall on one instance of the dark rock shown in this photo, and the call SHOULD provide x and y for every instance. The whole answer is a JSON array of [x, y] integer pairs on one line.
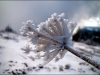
[[92, 69], [29, 69], [9, 73], [25, 64], [7, 70], [11, 61], [14, 73], [20, 70], [6, 37], [23, 72], [34, 67], [32, 58], [16, 70], [37, 69], [60, 68], [10, 65], [67, 66], [16, 62], [41, 67]]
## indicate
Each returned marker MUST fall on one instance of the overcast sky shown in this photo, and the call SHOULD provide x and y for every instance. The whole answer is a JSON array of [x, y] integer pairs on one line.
[[13, 13]]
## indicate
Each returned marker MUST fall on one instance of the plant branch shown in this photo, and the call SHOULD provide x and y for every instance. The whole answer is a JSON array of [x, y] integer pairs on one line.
[[93, 63]]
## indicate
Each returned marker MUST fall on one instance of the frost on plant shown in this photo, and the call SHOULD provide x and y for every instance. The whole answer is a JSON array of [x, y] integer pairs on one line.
[[49, 37], [26, 49]]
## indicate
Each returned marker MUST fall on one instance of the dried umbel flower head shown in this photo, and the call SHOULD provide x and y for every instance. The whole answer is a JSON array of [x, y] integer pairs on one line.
[[50, 36]]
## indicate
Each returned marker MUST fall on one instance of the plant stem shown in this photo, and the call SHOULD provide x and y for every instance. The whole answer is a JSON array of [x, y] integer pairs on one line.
[[93, 63]]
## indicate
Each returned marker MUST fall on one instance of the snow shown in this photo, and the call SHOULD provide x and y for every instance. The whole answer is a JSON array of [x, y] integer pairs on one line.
[[12, 58]]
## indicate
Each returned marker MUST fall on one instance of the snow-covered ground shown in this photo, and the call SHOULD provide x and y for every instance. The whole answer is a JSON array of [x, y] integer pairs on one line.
[[14, 60]]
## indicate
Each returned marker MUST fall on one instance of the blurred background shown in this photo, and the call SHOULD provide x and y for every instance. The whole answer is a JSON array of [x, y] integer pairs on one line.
[[86, 36], [85, 13]]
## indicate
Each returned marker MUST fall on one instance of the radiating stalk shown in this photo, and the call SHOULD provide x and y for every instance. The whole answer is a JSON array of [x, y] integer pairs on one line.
[[59, 28], [54, 29], [45, 36], [49, 32], [65, 28]]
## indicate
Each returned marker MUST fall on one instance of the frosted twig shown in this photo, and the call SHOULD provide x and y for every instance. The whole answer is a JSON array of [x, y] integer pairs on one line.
[[54, 38]]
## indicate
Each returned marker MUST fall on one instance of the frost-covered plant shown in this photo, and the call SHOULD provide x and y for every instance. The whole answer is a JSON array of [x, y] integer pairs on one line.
[[53, 38], [50, 36]]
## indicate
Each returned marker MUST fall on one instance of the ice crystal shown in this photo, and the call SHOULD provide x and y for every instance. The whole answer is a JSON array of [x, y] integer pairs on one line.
[[50, 36]]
